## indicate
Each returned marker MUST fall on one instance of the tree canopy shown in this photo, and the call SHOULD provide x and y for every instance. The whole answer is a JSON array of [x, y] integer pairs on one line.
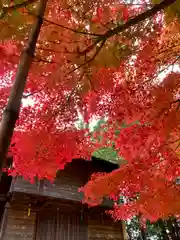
[[112, 60]]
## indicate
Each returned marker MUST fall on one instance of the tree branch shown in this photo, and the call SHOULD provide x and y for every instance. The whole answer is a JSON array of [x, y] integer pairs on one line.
[[71, 29], [141, 17], [33, 93], [66, 27], [90, 59], [5, 10]]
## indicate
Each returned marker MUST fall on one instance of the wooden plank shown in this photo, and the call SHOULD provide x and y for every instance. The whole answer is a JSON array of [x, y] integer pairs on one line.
[[102, 227], [21, 185], [58, 225], [19, 226], [65, 186]]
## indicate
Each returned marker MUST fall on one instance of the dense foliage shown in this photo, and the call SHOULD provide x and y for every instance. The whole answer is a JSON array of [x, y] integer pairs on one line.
[[167, 229], [113, 60]]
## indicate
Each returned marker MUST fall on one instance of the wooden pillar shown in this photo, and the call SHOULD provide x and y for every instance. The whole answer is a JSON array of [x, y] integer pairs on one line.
[[4, 221], [125, 235], [35, 226]]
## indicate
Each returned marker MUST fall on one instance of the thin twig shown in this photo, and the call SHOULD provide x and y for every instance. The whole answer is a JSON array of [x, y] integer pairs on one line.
[[32, 93], [91, 59], [161, 71], [5, 10], [55, 51], [71, 29], [65, 27]]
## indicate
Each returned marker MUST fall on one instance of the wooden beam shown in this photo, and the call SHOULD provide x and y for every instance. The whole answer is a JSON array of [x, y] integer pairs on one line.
[[4, 221]]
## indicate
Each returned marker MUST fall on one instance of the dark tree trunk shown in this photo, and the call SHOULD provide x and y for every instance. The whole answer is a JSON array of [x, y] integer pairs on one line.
[[173, 229], [177, 227], [143, 234], [164, 230], [11, 112]]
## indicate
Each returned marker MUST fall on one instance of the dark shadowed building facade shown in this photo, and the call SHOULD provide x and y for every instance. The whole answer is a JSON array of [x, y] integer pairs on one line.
[[46, 211]]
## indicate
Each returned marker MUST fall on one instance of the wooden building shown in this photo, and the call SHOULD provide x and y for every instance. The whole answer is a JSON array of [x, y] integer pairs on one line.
[[45, 211]]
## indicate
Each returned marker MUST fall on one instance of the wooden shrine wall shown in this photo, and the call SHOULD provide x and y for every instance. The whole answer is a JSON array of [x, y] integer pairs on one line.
[[67, 182], [58, 224]]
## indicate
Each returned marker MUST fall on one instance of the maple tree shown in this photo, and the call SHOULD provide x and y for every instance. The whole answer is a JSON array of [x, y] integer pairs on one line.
[[150, 146], [96, 59]]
